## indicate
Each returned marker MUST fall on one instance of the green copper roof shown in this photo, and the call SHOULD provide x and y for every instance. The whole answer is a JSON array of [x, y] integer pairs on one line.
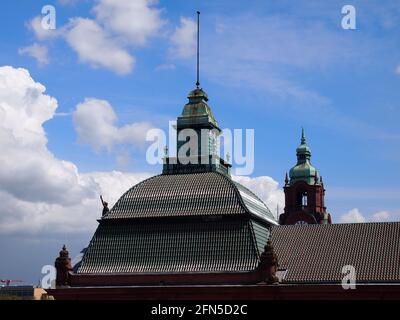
[[303, 148], [174, 247], [304, 170], [179, 195], [197, 111], [261, 235], [195, 194], [201, 222]]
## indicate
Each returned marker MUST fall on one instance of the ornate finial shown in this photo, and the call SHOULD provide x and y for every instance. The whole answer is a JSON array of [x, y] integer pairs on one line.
[[269, 264], [286, 179], [64, 252], [198, 50], [303, 152], [63, 267], [315, 178], [303, 136], [228, 157], [320, 180], [166, 151]]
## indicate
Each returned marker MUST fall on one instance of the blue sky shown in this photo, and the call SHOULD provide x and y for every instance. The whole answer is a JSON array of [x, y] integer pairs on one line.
[[273, 66]]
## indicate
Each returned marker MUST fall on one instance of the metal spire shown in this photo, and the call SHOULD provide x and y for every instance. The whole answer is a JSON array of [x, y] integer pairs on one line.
[[303, 136], [198, 50]]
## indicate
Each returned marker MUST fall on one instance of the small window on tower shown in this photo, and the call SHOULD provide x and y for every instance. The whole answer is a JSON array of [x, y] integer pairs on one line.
[[304, 199], [301, 199]]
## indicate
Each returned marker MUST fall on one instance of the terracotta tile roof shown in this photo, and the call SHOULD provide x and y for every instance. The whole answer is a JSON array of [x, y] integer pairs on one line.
[[317, 253], [174, 246], [197, 194]]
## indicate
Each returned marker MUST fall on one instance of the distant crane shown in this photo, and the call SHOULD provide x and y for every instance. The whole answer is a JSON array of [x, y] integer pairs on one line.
[[7, 282]]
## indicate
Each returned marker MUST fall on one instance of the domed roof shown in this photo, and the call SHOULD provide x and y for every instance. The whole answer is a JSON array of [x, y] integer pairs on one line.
[[198, 94], [303, 170], [303, 148], [197, 110], [136, 237], [197, 194]]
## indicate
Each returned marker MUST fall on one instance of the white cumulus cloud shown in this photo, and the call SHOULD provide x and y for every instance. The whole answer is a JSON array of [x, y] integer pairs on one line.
[[104, 42], [28, 170], [112, 185], [352, 216], [381, 216], [37, 51], [95, 47], [38, 191], [267, 189], [135, 21], [183, 39], [355, 216], [21, 216], [95, 123], [42, 193], [35, 25]]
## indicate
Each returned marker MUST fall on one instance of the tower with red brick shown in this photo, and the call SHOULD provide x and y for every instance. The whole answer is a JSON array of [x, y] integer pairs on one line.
[[304, 191]]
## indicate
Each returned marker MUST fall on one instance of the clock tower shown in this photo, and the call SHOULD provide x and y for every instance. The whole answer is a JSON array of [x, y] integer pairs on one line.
[[304, 191]]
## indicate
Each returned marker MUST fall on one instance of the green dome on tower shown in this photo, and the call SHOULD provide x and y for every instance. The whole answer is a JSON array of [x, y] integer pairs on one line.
[[304, 170]]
